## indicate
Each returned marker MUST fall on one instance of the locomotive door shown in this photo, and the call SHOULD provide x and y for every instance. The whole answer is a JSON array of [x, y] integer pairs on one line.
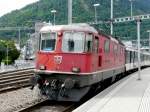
[[95, 53], [106, 53]]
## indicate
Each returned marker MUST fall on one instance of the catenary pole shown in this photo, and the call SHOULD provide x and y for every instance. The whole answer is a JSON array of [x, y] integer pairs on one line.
[[69, 11], [139, 51]]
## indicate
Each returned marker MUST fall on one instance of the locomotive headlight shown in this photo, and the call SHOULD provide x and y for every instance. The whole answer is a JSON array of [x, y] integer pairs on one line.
[[42, 67], [46, 83], [75, 69]]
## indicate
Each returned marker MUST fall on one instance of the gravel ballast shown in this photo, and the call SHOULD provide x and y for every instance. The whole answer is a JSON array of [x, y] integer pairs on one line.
[[15, 100]]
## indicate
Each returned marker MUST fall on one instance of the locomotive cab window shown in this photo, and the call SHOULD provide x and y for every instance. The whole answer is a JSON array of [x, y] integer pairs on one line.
[[73, 42], [88, 43], [48, 41]]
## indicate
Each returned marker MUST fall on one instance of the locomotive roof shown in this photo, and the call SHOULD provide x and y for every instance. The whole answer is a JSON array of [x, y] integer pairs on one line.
[[110, 37], [76, 27]]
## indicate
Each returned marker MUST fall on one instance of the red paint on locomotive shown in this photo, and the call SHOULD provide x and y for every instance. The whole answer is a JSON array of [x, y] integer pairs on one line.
[[80, 53]]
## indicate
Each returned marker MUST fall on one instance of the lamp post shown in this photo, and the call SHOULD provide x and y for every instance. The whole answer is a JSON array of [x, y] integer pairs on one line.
[[7, 56], [111, 17], [131, 5], [96, 5], [149, 39], [54, 12]]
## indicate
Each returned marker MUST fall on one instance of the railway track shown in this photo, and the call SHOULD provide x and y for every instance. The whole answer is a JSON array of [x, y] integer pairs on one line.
[[49, 106], [15, 79]]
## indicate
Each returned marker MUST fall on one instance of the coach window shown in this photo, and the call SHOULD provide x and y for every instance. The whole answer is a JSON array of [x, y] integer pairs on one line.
[[48, 41], [106, 46], [88, 43], [73, 42]]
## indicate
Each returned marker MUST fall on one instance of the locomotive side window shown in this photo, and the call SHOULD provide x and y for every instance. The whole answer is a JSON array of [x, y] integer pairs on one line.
[[115, 49], [73, 42], [88, 44], [121, 50], [106, 46], [48, 41], [118, 49]]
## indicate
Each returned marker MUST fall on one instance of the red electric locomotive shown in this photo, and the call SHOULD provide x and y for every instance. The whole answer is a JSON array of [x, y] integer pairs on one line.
[[73, 58]]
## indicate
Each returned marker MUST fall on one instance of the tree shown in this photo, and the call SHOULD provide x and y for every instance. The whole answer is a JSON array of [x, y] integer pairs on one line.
[[8, 48]]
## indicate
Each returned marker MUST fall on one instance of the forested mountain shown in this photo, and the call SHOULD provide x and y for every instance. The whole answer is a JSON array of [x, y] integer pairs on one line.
[[83, 11]]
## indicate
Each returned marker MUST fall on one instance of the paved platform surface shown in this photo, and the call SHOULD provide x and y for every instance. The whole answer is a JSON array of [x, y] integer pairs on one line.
[[127, 95]]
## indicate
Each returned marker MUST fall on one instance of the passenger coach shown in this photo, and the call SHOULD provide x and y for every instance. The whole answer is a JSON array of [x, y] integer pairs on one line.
[[132, 59]]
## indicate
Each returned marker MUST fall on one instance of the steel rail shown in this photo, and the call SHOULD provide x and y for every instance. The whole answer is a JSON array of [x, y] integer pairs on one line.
[[40, 104], [13, 80], [16, 71]]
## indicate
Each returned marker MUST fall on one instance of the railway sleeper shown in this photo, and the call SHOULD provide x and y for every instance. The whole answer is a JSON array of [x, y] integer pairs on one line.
[[10, 88], [15, 76], [15, 73], [14, 83], [15, 79]]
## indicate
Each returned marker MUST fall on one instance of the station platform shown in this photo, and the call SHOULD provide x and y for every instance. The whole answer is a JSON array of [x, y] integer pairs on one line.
[[126, 95]]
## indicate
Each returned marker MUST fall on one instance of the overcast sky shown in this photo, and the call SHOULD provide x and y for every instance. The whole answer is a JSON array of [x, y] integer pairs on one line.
[[7, 6]]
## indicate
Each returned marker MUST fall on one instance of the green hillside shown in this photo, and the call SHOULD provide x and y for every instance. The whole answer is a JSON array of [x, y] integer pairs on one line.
[[83, 11]]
